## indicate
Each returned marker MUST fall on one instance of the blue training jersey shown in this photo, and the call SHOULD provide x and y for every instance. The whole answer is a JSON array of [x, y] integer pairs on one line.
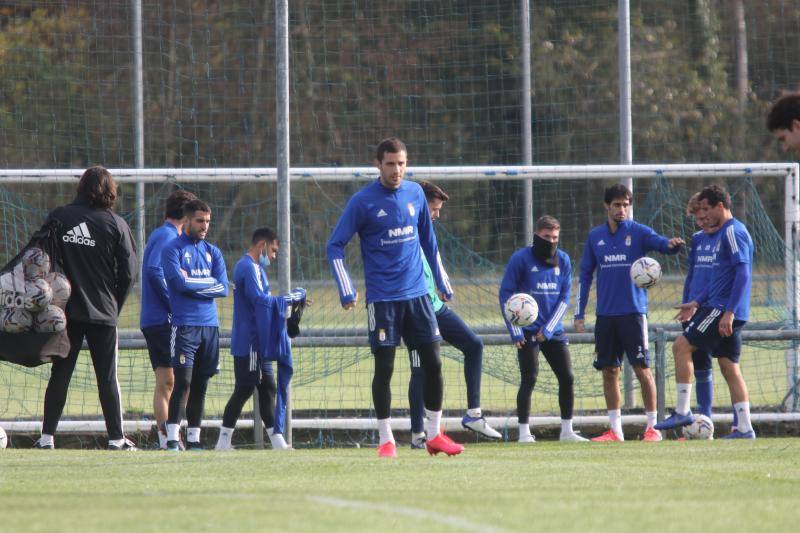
[[612, 254], [393, 225], [699, 264], [195, 274], [155, 310], [251, 287], [549, 285], [732, 277]]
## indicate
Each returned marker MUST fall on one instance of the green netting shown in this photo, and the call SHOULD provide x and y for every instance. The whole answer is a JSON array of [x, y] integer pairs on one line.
[[480, 228]]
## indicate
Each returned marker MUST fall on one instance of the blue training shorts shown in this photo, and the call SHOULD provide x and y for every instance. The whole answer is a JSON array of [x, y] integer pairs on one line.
[[702, 332], [615, 336], [196, 347], [412, 320], [158, 345]]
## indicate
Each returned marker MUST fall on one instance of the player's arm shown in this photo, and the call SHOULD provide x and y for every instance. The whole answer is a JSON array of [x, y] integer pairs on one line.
[[219, 274], [587, 268], [153, 272], [427, 239], [508, 287], [655, 242], [346, 227], [125, 255], [740, 256], [176, 280], [689, 274], [561, 305]]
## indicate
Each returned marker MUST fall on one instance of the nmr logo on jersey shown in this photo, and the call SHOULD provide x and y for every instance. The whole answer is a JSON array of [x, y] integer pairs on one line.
[[614, 258], [546, 286], [400, 232], [79, 235]]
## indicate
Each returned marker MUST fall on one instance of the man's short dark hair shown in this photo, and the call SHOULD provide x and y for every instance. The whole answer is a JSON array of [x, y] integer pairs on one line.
[[714, 194], [192, 206], [785, 111], [98, 187], [616, 192], [173, 208], [547, 222], [432, 192], [392, 145], [264, 234]]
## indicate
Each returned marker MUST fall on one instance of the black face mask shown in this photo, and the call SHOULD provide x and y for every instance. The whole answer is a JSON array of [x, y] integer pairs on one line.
[[545, 251]]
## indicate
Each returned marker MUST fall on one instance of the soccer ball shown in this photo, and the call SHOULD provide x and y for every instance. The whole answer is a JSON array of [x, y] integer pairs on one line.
[[701, 428], [521, 309], [38, 294], [50, 320], [16, 320], [61, 288], [36, 263], [645, 272], [3, 438]]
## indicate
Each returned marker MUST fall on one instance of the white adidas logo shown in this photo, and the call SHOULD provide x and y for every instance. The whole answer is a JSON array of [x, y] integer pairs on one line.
[[381, 213], [535, 269], [601, 242], [79, 235]]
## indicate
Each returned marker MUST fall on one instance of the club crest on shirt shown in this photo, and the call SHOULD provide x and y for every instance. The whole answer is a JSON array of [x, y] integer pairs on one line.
[[628, 240], [411, 210], [557, 271], [208, 257]]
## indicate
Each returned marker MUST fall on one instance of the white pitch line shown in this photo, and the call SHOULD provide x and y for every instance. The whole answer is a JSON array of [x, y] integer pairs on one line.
[[454, 521]]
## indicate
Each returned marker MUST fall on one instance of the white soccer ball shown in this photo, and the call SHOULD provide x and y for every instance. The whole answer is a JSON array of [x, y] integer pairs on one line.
[[645, 272], [521, 309], [702, 428], [36, 263], [16, 320], [38, 294], [3, 438], [50, 320], [61, 288]]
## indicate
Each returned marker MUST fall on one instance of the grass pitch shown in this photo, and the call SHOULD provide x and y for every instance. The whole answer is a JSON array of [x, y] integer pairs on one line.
[[547, 486]]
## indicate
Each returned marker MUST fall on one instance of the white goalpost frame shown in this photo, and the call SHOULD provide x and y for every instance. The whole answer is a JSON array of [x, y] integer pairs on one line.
[[788, 171]]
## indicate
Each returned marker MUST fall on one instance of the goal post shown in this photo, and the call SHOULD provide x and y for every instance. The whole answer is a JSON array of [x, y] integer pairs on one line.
[[482, 225]]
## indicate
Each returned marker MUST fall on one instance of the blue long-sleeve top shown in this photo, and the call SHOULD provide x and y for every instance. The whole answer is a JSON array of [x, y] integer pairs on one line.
[[732, 272], [393, 226], [155, 310], [612, 254], [699, 264], [549, 285], [191, 296]]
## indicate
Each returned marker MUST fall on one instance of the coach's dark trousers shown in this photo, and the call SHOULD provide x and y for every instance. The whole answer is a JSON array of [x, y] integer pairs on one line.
[[102, 341]]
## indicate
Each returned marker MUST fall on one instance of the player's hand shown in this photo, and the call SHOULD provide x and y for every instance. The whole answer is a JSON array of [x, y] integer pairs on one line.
[[685, 311], [726, 324], [519, 344], [675, 242], [444, 297], [580, 325], [540, 336], [185, 274], [349, 305]]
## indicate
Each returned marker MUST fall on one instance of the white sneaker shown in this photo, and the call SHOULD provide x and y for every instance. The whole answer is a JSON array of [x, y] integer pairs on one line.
[[479, 425], [524, 439], [572, 437], [223, 448]]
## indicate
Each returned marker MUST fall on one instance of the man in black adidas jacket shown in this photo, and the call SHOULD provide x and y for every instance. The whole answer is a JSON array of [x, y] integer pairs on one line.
[[99, 259]]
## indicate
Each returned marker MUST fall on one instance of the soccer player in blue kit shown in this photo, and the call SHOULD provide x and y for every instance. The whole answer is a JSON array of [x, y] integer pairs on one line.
[[196, 276], [459, 335], [155, 314], [717, 315], [391, 218], [544, 272], [251, 366], [621, 326]]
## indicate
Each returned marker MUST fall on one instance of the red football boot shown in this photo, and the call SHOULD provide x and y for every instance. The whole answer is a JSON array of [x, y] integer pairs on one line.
[[443, 443]]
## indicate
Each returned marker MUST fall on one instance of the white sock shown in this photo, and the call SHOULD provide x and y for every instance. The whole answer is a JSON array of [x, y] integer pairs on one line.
[[193, 435], [474, 413], [173, 432], [116, 442], [684, 393], [524, 430], [225, 437], [385, 430], [615, 421], [162, 437], [651, 418], [432, 423], [566, 426], [47, 440], [743, 412], [417, 436]]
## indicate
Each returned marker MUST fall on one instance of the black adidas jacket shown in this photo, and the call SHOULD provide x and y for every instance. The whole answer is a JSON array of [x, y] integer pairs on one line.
[[99, 259]]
